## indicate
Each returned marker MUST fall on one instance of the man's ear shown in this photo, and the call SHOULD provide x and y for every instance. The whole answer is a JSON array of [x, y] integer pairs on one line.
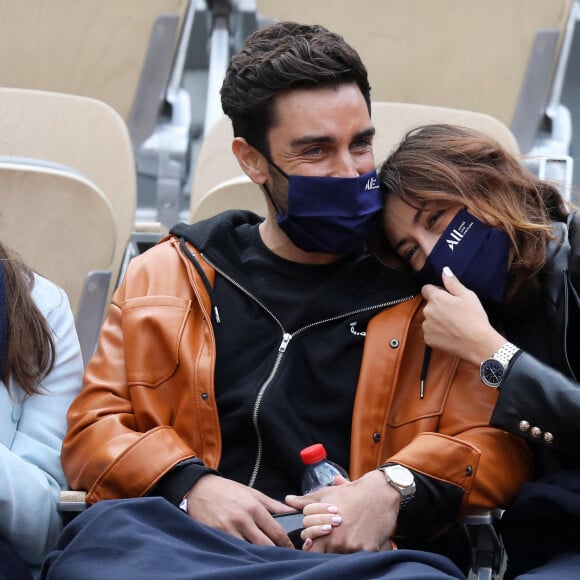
[[251, 160]]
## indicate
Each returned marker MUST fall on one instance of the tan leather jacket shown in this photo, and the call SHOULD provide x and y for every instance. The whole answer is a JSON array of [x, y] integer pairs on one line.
[[148, 400]]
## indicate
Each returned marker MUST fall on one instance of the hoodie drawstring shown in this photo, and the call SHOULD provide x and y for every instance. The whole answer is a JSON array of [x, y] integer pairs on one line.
[[424, 368], [202, 275]]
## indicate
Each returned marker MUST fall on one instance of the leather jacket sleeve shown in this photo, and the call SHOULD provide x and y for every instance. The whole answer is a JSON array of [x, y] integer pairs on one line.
[[107, 450], [104, 436], [464, 463], [541, 405]]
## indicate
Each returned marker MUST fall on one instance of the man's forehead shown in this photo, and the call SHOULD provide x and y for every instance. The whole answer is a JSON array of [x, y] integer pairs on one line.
[[306, 116]]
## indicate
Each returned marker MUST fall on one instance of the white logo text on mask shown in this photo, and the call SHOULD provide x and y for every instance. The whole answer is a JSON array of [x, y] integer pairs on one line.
[[371, 184], [457, 234]]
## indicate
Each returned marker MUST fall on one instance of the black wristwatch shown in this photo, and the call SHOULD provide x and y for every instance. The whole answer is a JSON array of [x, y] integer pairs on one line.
[[493, 369]]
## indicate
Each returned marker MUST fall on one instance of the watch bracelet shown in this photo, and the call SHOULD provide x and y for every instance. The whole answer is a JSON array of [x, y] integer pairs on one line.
[[505, 353]]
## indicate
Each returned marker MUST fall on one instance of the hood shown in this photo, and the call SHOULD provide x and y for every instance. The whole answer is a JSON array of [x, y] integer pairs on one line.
[[210, 232]]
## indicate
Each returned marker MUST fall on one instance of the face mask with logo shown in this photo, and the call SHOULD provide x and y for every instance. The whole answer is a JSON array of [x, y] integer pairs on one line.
[[476, 253], [333, 215]]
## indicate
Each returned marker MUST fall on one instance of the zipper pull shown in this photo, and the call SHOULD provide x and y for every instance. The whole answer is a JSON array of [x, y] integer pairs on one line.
[[285, 340]]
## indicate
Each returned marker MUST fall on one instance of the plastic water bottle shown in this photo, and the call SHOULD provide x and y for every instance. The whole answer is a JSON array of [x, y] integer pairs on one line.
[[319, 471]]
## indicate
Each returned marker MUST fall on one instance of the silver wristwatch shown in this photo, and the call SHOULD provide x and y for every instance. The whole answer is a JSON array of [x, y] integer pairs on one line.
[[402, 479], [493, 369]]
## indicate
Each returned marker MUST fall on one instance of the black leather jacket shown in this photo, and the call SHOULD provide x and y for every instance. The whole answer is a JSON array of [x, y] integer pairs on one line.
[[539, 401]]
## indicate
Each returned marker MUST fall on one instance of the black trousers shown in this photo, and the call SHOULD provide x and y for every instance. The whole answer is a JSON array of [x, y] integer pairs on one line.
[[150, 539], [12, 567]]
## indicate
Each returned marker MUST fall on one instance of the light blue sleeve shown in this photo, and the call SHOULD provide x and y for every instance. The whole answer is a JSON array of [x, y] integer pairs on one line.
[[31, 432]]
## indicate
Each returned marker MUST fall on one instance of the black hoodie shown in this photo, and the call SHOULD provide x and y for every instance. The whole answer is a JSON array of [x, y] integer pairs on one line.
[[271, 403]]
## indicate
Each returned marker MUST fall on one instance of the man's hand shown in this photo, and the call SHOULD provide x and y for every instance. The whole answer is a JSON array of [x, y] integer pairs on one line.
[[368, 508], [238, 510], [456, 322]]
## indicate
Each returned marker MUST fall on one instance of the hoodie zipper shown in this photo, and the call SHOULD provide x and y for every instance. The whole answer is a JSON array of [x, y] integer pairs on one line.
[[286, 338]]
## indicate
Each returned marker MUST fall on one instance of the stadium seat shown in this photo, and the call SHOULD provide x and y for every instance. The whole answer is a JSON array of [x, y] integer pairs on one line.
[[63, 226], [506, 59], [238, 192], [128, 54], [215, 161], [87, 138], [393, 120], [94, 48]]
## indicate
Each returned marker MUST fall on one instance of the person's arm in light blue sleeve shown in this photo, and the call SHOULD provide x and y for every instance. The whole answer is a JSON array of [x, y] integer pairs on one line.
[[31, 433]]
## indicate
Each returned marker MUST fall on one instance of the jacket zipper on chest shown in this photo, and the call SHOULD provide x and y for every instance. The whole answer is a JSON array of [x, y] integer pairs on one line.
[[286, 338]]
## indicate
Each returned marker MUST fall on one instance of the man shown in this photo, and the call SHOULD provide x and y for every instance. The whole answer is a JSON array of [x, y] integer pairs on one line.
[[240, 340]]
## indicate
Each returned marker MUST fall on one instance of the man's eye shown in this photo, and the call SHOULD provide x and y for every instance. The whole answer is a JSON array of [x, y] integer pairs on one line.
[[363, 144], [314, 151]]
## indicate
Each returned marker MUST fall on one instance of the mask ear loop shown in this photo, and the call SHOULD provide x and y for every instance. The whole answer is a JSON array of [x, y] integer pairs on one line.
[[269, 194], [267, 189]]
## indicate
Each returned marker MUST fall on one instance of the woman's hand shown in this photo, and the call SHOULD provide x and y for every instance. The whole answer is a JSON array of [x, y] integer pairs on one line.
[[456, 322], [319, 519], [368, 508]]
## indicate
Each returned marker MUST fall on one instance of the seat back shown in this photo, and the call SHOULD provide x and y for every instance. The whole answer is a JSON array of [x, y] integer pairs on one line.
[[63, 226], [215, 161], [82, 134], [393, 120], [235, 193], [93, 48], [451, 53], [129, 54]]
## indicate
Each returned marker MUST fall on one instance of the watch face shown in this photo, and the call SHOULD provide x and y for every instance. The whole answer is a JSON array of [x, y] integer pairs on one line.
[[492, 372], [400, 475]]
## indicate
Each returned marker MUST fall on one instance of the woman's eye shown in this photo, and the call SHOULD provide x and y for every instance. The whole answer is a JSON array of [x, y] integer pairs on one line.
[[408, 253], [434, 218]]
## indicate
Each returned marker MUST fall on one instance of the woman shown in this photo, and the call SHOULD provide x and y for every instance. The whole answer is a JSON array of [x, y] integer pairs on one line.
[[498, 256], [41, 371]]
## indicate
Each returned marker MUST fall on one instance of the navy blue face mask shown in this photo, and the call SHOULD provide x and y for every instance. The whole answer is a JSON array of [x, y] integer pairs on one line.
[[476, 253], [334, 215]]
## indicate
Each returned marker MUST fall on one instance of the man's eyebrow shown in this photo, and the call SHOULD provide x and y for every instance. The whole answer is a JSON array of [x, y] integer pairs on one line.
[[313, 139], [370, 132]]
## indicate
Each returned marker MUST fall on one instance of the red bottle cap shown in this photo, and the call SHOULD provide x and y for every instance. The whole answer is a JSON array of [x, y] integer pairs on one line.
[[313, 454]]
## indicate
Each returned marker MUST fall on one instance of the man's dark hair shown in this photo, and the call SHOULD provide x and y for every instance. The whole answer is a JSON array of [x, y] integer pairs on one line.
[[280, 58]]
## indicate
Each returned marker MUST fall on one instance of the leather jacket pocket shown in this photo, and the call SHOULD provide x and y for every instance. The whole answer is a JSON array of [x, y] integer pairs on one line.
[[152, 329], [408, 407]]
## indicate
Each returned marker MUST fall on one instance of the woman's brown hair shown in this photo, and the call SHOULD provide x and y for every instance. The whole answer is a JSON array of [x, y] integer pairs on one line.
[[446, 165], [30, 350]]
